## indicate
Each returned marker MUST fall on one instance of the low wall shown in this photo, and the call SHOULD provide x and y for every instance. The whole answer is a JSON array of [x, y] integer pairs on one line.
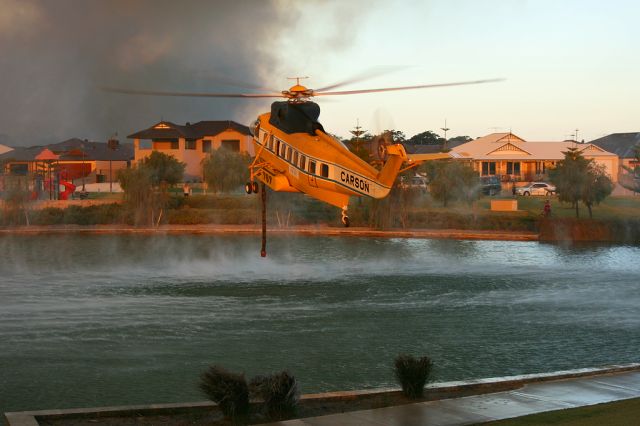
[[433, 391], [584, 230], [63, 204]]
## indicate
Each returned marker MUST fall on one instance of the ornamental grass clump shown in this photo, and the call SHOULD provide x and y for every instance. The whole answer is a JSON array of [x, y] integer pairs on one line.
[[228, 390], [279, 392], [412, 373]]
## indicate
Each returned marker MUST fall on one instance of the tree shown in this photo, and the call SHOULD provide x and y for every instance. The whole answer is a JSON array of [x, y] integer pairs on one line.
[[225, 170], [571, 177], [599, 186], [426, 138], [145, 186], [452, 180], [140, 198], [357, 146], [460, 139], [396, 135], [16, 197], [163, 168], [578, 179]]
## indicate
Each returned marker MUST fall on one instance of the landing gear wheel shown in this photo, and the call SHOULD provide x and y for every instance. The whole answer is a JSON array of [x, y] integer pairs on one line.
[[344, 219], [254, 186], [248, 188]]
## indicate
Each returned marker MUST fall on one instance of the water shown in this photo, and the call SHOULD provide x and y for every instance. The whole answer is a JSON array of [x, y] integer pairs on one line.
[[110, 320]]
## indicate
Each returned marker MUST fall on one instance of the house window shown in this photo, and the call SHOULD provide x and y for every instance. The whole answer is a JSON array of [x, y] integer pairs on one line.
[[303, 162], [206, 145], [324, 170], [231, 144], [145, 144], [513, 168], [19, 169], [488, 168], [190, 144], [312, 167], [162, 144]]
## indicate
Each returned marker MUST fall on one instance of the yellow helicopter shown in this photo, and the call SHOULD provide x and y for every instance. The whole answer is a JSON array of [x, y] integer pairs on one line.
[[295, 154]]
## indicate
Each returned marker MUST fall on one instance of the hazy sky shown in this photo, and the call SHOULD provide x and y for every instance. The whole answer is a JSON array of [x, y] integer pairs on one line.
[[568, 64]]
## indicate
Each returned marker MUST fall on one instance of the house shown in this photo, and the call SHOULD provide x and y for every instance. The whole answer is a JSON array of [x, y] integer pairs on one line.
[[76, 158], [510, 157], [625, 145], [191, 143]]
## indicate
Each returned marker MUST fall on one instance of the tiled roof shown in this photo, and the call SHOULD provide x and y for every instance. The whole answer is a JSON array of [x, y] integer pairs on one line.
[[4, 148], [621, 144], [167, 129], [429, 149], [73, 150], [503, 146], [422, 149]]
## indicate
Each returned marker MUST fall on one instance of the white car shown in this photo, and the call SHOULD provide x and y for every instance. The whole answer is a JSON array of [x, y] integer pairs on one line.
[[416, 181], [536, 188]]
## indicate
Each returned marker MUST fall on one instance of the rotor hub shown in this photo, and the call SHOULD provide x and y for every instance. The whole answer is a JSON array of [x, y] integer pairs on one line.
[[298, 93]]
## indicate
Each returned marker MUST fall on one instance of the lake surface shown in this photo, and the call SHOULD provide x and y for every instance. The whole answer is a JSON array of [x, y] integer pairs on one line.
[[110, 320]]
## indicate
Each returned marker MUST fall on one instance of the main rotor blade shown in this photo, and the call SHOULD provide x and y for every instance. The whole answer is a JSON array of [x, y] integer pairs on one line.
[[228, 81], [390, 89], [192, 94], [367, 75]]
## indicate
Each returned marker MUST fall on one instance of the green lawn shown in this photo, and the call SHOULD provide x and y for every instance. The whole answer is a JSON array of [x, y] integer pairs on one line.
[[619, 413], [611, 208], [105, 195]]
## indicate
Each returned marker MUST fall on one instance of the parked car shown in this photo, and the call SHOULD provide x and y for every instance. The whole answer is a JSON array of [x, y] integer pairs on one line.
[[417, 181], [536, 188], [490, 185]]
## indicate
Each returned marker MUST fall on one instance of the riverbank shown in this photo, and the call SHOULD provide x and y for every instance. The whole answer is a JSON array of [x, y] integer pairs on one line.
[[617, 220], [317, 230]]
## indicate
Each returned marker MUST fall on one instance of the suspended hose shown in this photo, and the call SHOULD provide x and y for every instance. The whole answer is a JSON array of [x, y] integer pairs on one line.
[[263, 195]]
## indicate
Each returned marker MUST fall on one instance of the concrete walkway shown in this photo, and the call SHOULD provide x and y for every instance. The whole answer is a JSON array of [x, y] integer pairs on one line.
[[529, 399]]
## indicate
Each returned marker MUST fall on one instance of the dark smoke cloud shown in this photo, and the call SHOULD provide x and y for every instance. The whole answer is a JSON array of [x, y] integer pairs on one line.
[[54, 56]]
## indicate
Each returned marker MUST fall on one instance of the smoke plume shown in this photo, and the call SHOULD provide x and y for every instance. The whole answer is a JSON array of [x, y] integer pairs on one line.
[[55, 55]]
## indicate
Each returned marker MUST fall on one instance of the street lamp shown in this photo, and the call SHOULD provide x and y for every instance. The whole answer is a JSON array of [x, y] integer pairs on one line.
[[445, 129], [112, 144], [83, 168]]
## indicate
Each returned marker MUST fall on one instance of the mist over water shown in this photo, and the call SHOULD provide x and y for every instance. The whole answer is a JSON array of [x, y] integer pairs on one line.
[[109, 320]]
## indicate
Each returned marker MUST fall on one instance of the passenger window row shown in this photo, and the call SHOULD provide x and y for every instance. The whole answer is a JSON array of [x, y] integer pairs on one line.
[[292, 156]]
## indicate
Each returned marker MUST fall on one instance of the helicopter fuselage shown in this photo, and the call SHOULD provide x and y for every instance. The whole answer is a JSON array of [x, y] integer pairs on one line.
[[317, 165]]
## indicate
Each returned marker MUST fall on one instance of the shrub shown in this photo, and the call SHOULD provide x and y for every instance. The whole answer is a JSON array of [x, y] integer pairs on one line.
[[412, 373], [228, 390], [48, 216], [279, 392]]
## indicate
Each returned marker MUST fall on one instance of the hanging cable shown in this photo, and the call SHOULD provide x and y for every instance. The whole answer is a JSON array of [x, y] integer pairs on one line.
[[263, 195]]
